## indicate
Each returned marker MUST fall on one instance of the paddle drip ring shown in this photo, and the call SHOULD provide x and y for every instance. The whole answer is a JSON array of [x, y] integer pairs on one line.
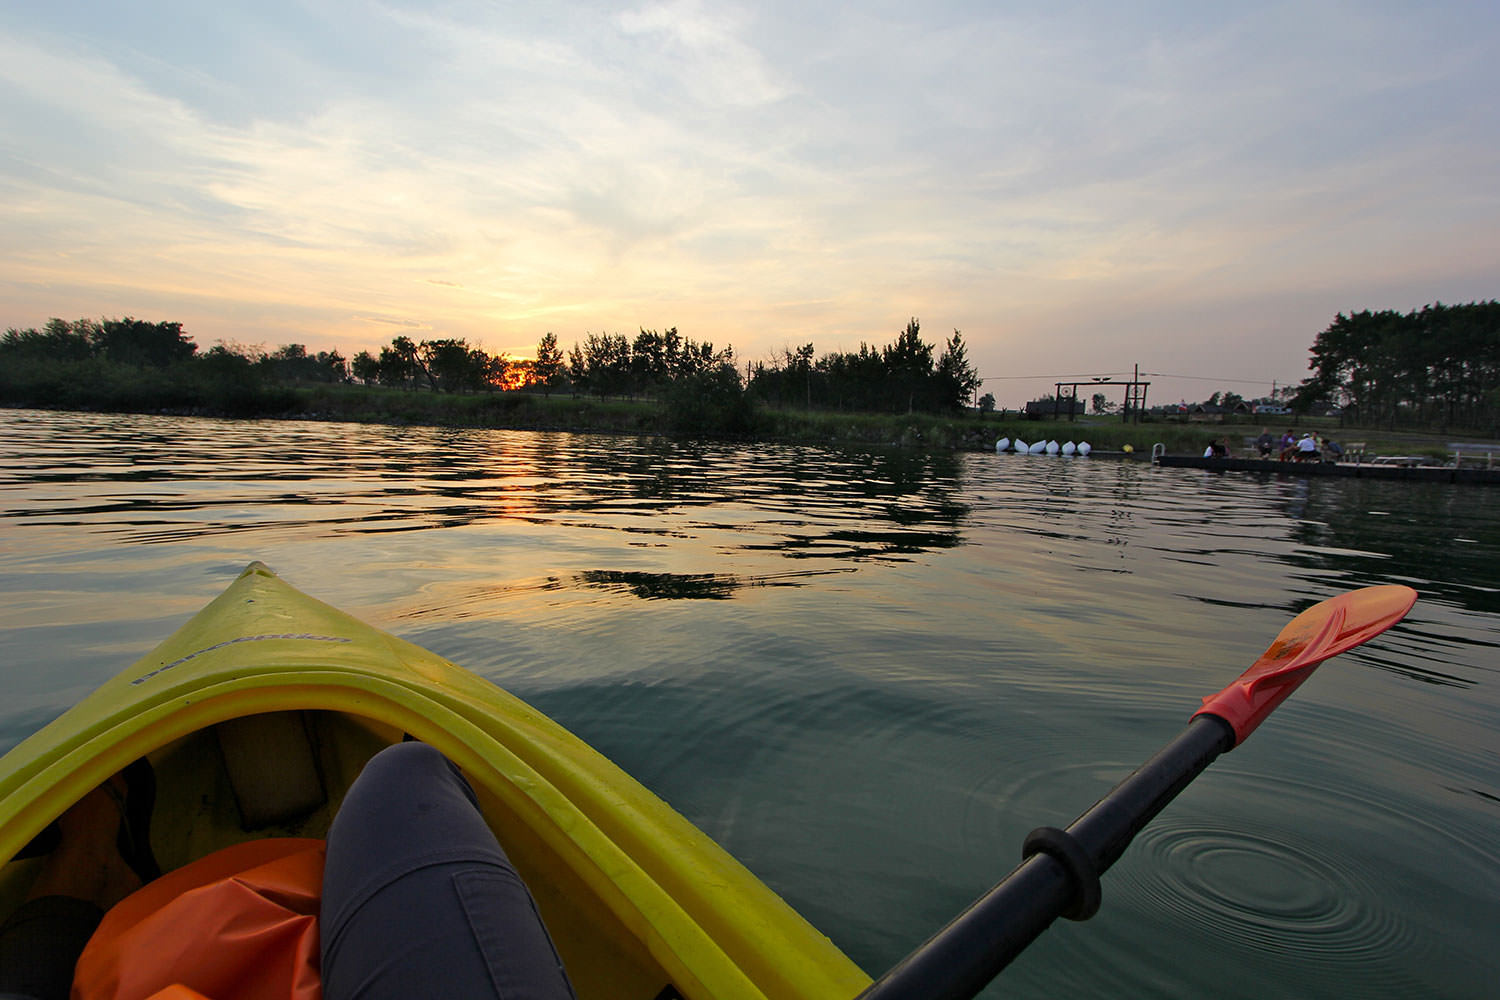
[[1061, 847]]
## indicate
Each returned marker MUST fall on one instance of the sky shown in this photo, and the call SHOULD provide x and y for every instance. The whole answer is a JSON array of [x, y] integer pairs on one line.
[[1083, 189]]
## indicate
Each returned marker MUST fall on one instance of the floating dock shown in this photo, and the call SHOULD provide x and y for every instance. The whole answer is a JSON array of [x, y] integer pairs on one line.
[[1348, 470]]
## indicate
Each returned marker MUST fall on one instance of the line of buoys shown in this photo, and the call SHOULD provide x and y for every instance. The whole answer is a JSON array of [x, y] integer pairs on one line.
[[1020, 447]]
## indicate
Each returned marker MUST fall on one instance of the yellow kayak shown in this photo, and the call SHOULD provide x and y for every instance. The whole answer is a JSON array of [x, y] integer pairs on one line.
[[258, 713]]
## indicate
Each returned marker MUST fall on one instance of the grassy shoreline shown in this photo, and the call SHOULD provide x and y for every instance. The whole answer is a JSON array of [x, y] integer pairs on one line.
[[562, 412]]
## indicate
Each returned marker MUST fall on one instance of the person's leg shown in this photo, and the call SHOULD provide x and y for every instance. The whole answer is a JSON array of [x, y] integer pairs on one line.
[[418, 897]]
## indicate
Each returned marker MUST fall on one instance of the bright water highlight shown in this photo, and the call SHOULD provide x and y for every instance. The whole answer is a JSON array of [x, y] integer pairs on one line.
[[867, 675]]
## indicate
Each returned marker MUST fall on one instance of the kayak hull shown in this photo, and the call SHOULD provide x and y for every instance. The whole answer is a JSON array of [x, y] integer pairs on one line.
[[258, 713]]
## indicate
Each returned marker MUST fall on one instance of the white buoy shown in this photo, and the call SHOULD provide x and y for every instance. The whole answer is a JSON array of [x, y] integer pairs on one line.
[[1021, 446], [1038, 448], [1053, 447], [1069, 448], [1084, 448], [1002, 444]]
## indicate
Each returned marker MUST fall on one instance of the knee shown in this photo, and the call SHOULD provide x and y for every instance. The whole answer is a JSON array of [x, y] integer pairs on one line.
[[409, 765], [402, 757]]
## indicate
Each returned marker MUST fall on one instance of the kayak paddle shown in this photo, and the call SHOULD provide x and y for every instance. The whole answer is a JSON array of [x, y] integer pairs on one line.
[[1059, 875]]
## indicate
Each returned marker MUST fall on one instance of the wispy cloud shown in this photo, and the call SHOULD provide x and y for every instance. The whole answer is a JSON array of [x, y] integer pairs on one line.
[[410, 324], [1090, 179]]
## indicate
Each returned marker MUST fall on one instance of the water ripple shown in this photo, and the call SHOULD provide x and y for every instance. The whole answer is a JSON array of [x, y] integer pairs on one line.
[[1270, 894]]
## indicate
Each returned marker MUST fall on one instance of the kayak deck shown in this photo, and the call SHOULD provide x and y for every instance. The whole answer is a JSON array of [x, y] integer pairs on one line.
[[258, 713]]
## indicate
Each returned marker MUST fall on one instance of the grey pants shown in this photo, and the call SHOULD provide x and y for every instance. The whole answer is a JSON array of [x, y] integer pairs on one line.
[[418, 900]]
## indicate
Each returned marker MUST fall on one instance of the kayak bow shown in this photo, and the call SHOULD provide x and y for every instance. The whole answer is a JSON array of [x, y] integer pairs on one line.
[[258, 713]]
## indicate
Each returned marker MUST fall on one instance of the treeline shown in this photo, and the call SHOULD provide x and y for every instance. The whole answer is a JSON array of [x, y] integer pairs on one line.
[[698, 386], [121, 362], [137, 365], [129, 364], [126, 341], [615, 365], [1438, 366], [444, 365], [137, 343], [901, 377]]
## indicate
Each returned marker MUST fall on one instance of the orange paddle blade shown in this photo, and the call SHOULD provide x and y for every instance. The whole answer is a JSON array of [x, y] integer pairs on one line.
[[1326, 629]]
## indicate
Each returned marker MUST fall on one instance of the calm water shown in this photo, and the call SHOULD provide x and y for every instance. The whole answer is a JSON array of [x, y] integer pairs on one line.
[[868, 676]]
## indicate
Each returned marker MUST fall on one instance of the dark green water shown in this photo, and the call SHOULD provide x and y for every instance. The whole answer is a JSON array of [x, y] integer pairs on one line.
[[868, 676]]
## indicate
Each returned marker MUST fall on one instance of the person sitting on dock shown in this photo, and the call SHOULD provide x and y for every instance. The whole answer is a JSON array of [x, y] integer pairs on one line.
[[1288, 446], [1307, 448], [1265, 443]]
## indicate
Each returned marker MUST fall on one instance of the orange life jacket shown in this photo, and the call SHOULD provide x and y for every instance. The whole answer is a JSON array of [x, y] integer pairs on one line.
[[239, 924]]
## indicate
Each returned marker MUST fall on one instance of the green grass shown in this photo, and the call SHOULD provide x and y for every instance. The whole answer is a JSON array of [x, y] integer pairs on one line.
[[96, 386]]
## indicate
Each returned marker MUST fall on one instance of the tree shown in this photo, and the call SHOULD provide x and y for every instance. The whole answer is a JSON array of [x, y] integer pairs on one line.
[[403, 364], [900, 376], [711, 401], [331, 367], [365, 367], [1434, 366], [292, 363], [496, 371], [606, 364], [131, 341], [956, 378], [231, 379], [987, 403], [448, 365], [549, 368], [398, 363], [672, 350], [908, 362], [798, 366], [648, 361], [578, 370], [59, 340]]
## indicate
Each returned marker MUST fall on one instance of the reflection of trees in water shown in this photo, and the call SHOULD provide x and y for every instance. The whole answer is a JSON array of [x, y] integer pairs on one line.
[[1444, 535], [687, 586], [816, 501], [207, 477], [1443, 539], [1087, 501]]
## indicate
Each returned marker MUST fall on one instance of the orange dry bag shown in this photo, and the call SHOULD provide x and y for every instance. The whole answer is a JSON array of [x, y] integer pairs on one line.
[[239, 924]]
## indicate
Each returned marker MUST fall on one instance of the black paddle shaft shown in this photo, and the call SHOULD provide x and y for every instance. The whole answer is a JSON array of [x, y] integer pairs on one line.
[[1060, 877]]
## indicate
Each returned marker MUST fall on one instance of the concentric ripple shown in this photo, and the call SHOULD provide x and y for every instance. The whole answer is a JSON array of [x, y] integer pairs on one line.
[[1265, 892]]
